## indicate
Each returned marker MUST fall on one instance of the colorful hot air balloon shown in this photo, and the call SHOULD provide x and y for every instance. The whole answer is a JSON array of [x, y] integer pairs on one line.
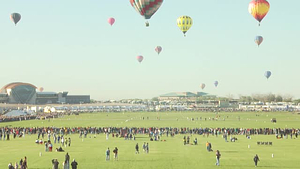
[[202, 86], [111, 21], [15, 17], [216, 83], [158, 49], [140, 58], [258, 40], [184, 23], [41, 89], [146, 8], [268, 74], [259, 9]]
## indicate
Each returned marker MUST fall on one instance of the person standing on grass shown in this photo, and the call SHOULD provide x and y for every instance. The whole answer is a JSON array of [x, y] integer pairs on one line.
[[107, 153], [144, 147], [24, 164], [255, 159], [218, 155], [69, 141], [16, 165], [67, 161], [137, 149], [62, 141], [147, 148], [74, 164], [55, 164], [21, 163], [116, 153]]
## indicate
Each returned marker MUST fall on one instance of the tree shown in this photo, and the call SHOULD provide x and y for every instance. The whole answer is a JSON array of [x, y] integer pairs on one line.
[[155, 99], [278, 98]]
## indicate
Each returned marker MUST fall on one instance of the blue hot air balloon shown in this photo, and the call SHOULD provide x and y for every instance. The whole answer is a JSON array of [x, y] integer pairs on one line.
[[267, 74], [258, 40]]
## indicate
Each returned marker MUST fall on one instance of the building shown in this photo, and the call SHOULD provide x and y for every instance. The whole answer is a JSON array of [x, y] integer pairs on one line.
[[25, 93], [183, 95]]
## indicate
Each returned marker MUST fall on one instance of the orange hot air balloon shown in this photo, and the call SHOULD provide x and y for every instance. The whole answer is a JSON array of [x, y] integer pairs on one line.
[[41, 89], [259, 9]]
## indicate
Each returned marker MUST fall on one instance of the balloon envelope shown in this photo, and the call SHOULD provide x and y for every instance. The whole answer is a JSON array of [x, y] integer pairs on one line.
[[216, 83], [184, 23], [258, 40], [140, 58], [41, 89], [268, 74], [146, 8], [259, 9], [158, 49], [202, 86], [15, 17], [111, 21]]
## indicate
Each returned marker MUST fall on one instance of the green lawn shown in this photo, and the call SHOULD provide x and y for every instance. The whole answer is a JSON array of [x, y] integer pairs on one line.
[[90, 152]]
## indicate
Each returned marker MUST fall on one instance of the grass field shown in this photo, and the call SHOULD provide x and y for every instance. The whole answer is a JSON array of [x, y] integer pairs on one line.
[[90, 152]]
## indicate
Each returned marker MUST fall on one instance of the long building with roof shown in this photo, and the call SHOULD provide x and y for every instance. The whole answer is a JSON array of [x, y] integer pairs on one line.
[[183, 95], [26, 93]]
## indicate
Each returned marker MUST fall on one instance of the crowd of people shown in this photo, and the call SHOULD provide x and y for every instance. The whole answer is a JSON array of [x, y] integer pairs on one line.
[[21, 165], [58, 133]]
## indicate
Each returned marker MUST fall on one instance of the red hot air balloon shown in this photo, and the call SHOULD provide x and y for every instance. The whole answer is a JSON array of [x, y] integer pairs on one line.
[[259, 9], [140, 58], [158, 49], [111, 21]]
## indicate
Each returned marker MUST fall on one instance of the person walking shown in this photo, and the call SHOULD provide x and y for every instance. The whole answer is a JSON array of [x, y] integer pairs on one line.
[[137, 149], [107, 153], [74, 164], [218, 155], [255, 159]]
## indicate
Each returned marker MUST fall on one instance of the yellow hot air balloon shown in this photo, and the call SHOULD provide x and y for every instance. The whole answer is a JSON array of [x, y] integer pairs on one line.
[[184, 23]]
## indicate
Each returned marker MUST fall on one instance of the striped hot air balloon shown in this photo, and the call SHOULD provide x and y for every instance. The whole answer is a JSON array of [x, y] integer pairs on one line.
[[259, 9], [146, 8]]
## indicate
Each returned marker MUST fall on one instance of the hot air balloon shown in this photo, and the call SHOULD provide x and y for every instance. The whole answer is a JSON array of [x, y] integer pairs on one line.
[[184, 23], [259, 9], [216, 83], [268, 74], [140, 58], [258, 40], [41, 89], [111, 21], [146, 8], [202, 86], [15, 17], [158, 49]]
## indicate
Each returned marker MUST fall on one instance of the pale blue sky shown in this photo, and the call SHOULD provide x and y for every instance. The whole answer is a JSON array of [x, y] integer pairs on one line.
[[67, 45]]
